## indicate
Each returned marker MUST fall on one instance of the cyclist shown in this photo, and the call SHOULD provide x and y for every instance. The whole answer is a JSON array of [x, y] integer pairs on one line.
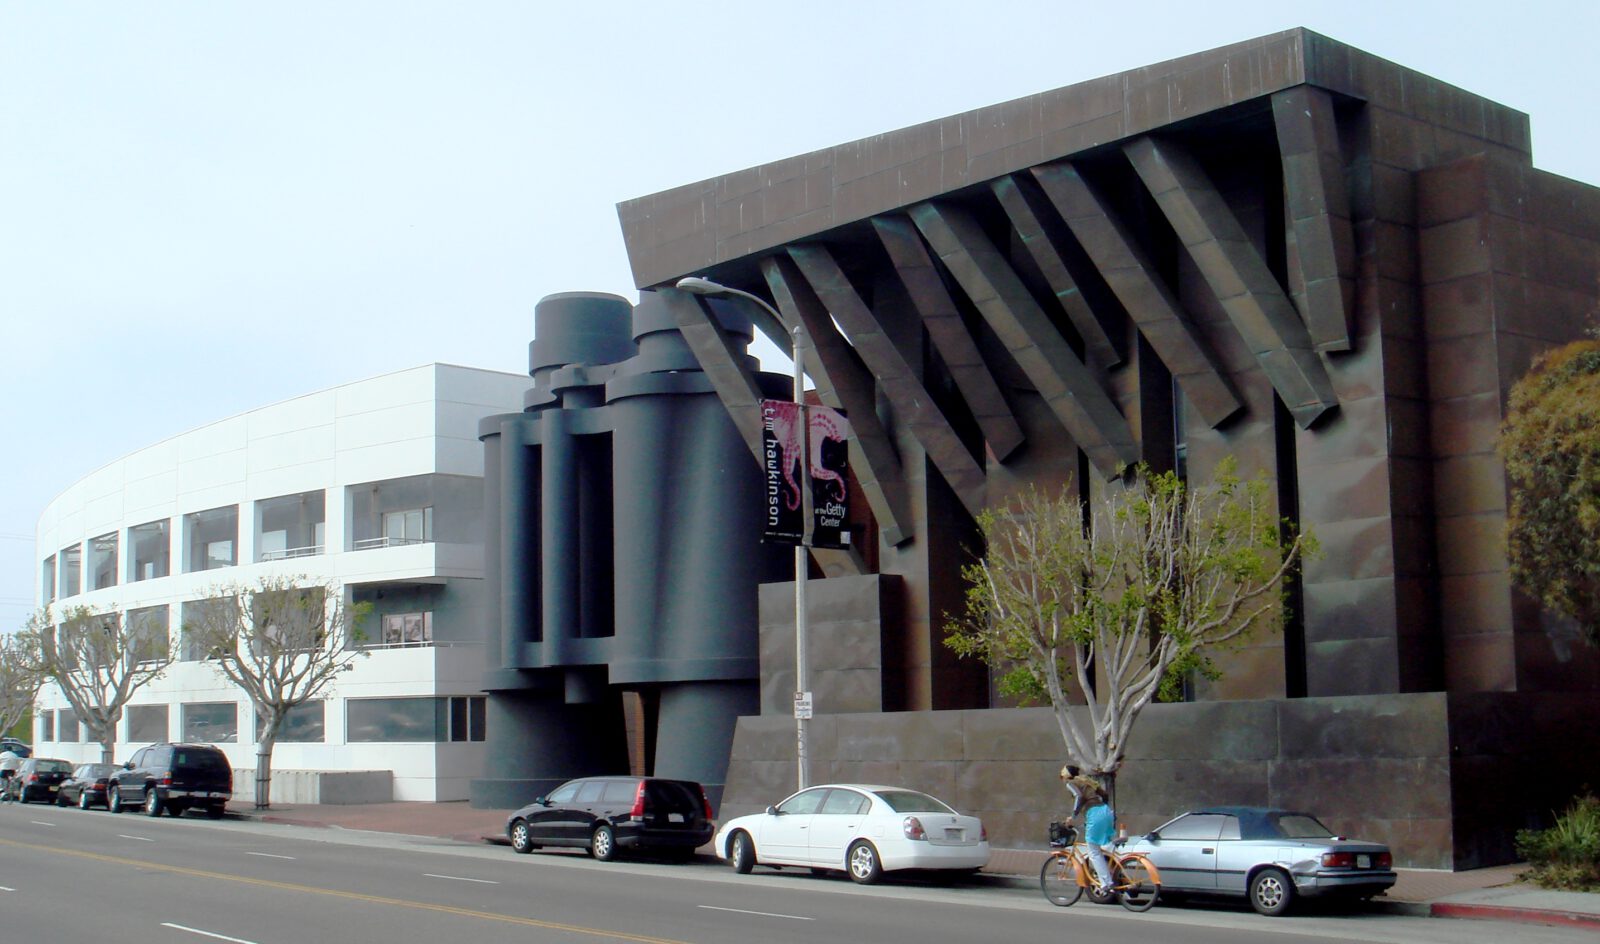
[[1099, 822]]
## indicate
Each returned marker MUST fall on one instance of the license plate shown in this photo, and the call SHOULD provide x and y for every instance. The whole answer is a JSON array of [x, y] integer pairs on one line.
[[54, 788], [1363, 862], [674, 817], [952, 833]]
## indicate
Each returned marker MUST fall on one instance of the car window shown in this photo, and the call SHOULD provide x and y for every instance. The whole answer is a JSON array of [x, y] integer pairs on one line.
[[1301, 826], [806, 802], [563, 793], [1230, 827], [159, 757], [54, 767], [197, 759], [591, 791], [139, 756], [910, 801], [674, 796], [1202, 826], [621, 791], [844, 802]]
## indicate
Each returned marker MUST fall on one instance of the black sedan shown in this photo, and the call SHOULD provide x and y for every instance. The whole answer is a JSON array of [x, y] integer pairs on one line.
[[86, 787], [1271, 857]]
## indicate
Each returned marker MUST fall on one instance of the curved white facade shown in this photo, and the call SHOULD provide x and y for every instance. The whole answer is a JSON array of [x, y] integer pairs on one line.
[[375, 486]]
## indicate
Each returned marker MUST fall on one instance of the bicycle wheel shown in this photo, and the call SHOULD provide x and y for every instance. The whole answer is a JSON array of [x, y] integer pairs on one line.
[[1058, 879], [1136, 884]]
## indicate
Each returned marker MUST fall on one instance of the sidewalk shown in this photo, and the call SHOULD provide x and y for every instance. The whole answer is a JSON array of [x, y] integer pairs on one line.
[[1481, 893]]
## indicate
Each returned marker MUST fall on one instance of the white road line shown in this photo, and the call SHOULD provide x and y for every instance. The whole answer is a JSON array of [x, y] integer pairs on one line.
[[140, 838], [220, 937], [268, 855], [457, 878], [4, 888], [38, 822], [764, 914]]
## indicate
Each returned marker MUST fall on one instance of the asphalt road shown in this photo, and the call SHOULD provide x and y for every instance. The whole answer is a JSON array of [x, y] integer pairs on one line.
[[68, 876]]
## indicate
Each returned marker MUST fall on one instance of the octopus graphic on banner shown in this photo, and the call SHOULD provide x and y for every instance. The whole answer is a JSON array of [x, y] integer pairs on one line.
[[816, 436]]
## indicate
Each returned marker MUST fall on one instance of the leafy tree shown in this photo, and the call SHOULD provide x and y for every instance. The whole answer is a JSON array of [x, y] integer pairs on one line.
[[19, 683], [1551, 445], [1122, 597], [284, 642], [97, 661]]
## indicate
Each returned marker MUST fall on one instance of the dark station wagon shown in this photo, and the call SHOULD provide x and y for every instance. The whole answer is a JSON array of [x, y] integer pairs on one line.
[[608, 814]]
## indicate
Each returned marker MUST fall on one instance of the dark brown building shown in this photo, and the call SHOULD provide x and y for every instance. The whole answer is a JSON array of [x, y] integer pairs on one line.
[[1286, 250]]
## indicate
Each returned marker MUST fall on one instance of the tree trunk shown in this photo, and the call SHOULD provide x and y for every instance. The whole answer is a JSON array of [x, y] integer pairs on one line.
[[107, 752], [264, 768]]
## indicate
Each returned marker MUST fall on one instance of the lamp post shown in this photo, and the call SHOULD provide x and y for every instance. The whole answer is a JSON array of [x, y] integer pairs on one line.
[[802, 711]]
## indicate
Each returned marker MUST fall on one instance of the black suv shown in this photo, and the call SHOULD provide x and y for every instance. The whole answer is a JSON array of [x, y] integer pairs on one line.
[[607, 814], [174, 778]]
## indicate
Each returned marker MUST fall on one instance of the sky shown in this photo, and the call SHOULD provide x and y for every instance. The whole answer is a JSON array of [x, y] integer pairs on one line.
[[207, 207]]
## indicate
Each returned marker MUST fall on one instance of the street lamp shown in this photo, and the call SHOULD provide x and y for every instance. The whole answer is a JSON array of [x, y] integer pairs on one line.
[[802, 713]]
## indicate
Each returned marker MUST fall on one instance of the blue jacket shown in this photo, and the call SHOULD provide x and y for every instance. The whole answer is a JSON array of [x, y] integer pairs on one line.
[[1099, 824]]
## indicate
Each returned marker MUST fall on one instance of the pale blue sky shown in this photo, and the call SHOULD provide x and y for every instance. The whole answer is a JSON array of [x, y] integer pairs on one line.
[[210, 206]]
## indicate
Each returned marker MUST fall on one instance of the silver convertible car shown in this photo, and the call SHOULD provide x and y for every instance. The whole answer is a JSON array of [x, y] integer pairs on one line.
[[1270, 856]]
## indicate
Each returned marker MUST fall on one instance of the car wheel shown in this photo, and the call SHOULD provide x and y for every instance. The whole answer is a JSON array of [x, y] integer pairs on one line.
[[152, 803], [83, 800], [603, 844], [1271, 892], [114, 799], [61, 800], [741, 853], [215, 812], [521, 839], [862, 859]]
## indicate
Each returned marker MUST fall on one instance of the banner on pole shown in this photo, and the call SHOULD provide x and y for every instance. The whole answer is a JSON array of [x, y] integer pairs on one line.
[[804, 458]]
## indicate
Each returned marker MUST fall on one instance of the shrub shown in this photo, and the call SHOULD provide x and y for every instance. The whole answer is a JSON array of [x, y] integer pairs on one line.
[[1567, 855]]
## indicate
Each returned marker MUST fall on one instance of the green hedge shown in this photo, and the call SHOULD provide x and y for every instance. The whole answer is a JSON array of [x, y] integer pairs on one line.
[[1567, 855]]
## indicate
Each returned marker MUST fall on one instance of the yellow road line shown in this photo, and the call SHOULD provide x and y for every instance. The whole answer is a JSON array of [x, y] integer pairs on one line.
[[349, 896]]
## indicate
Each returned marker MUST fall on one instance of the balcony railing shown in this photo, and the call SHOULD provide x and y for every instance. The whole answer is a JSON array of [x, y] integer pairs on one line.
[[365, 544], [289, 553]]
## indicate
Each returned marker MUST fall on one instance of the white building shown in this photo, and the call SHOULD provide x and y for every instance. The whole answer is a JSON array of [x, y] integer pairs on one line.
[[375, 486]]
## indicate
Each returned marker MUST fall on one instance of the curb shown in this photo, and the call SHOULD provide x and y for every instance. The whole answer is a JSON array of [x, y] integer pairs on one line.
[[1564, 919]]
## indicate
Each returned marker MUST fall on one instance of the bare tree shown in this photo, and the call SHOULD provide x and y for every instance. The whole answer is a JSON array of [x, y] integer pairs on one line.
[[19, 682], [284, 640], [1122, 598], [97, 661]]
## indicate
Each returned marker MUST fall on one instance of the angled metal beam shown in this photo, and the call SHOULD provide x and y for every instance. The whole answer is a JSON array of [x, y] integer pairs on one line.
[[843, 383], [1246, 288], [896, 379], [1032, 218], [729, 369], [1133, 279], [1319, 213], [943, 322], [1069, 387]]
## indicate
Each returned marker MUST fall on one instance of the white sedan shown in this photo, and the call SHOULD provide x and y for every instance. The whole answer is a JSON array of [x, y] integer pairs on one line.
[[864, 829]]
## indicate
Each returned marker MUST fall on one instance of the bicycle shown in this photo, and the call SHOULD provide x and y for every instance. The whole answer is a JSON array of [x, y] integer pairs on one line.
[[1135, 881]]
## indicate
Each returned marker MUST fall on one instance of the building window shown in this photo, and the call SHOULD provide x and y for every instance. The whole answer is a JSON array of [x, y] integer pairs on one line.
[[48, 590], [67, 726], [147, 723], [466, 718], [304, 724], [72, 570], [149, 551], [210, 538], [103, 562], [47, 725], [211, 722], [407, 629], [290, 526], [417, 720], [149, 629], [393, 512], [194, 614]]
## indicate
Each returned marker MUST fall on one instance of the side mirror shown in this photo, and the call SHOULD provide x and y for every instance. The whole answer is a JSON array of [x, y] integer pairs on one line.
[[127, 765], [540, 801], [772, 811], [1152, 836]]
